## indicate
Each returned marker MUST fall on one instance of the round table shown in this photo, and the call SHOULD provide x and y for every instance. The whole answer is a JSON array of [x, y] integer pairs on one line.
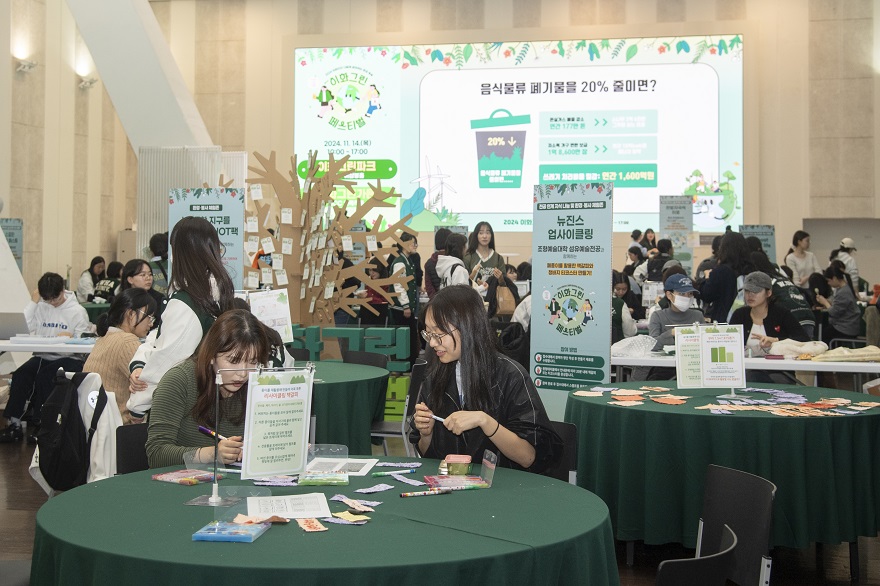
[[526, 529], [95, 309], [648, 464], [346, 399]]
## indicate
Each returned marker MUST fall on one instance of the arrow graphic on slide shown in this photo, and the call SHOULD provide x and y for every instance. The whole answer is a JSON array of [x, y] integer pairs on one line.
[[511, 142], [604, 122]]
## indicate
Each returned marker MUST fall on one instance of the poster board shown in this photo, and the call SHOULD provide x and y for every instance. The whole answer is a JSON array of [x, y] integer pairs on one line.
[[710, 356]]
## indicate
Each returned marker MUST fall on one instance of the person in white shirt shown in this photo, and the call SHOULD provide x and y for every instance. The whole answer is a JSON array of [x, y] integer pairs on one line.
[[845, 254], [800, 260], [51, 312]]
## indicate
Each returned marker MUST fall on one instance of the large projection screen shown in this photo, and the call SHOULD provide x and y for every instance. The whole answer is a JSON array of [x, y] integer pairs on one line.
[[464, 131]]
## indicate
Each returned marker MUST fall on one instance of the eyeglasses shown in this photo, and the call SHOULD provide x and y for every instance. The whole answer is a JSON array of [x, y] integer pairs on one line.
[[152, 318], [428, 336], [144, 274]]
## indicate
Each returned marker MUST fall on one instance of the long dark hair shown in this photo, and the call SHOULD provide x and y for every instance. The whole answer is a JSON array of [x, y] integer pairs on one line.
[[473, 242], [240, 333], [837, 270], [134, 299], [460, 308], [734, 251], [798, 236], [195, 247], [130, 269], [646, 242], [455, 245], [96, 261]]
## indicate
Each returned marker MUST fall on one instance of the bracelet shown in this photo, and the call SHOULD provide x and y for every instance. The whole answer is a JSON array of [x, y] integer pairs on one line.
[[497, 427]]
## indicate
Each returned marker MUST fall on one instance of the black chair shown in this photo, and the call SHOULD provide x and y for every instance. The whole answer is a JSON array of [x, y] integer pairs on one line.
[[298, 353], [386, 429], [566, 468], [710, 570], [745, 503], [131, 452], [365, 358]]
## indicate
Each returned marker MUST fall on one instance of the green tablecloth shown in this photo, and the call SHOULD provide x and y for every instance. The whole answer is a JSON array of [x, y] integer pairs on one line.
[[526, 529], [346, 400], [648, 464], [95, 309]]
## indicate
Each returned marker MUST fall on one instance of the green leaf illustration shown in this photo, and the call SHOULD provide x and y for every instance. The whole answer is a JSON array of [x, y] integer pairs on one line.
[[593, 51], [617, 48], [458, 56], [561, 48], [436, 55], [605, 44], [722, 47], [631, 51], [522, 53], [682, 46], [468, 51], [409, 57], [581, 45], [734, 42]]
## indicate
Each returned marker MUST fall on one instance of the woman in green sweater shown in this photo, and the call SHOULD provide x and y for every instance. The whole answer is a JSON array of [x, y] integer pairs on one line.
[[184, 398], [481, 259]]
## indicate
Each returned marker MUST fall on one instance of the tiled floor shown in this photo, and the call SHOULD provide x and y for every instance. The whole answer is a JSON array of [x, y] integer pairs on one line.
[[21, 497]]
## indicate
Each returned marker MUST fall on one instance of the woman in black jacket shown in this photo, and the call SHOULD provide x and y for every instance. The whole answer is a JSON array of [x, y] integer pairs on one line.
[[721, 287]]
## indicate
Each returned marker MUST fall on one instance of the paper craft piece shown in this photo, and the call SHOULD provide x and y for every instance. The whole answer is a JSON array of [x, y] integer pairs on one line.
[[846, 411], [399, 465], [720, 412], [859, 408], [302, 291], [287, 216], [187, 477], [298, 506], [246, 520], [341, 498], [626, 403], [312, 305], [272, 308], [276, 426], [253, 280], [268, 245], [251, 224], [658, 389], [220, 531], [310, 525], [287, 246], [323, 479], [256, 191], [277, 261], [253, 244], [405, 480], [351, 466], [342, 521], [346, 516], [604, 389], [457, 482], [302, 219], [357, 505], [347, 244], [322, 241], [627, 393], [627, 398], [328, 289], [282, 480], [281, 278], [667, 401], [377, 488], [587, 393], [371, 243], [266, 275]]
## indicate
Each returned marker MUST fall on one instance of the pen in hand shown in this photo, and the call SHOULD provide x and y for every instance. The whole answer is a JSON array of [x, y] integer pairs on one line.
[[211, 432]]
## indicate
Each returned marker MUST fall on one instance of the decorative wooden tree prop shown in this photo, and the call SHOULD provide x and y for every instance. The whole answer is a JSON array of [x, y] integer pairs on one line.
[[309, 230]]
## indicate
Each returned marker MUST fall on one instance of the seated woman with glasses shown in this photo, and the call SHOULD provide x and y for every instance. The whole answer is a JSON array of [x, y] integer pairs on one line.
[[138, 273], [486, 401], [185, 399], [120, 331]]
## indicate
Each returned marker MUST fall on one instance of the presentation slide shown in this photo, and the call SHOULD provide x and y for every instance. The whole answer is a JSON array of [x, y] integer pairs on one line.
[[465, 131]]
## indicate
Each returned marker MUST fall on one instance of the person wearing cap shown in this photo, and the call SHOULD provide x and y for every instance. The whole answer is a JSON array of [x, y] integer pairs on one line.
[[764, 323], [679, 290], [845, 255]]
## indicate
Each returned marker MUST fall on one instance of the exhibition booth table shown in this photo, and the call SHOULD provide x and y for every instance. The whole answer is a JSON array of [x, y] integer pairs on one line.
[[78, 346], [347, 398], [648, 461], [526, 529]]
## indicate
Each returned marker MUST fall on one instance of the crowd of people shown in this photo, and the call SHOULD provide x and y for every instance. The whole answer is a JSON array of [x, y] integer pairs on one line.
[[739, 284], [169, 343]]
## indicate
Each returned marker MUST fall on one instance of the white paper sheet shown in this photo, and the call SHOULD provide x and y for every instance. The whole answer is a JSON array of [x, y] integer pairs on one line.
[[295, 506]]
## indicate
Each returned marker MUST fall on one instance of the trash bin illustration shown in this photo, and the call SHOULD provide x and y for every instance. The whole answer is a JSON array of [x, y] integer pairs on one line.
[[500, 149]]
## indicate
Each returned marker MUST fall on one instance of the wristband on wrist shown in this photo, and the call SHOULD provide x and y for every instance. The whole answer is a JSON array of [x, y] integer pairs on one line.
[[497, 427]]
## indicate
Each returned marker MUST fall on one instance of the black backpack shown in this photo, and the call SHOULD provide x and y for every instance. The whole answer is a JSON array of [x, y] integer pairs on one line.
[[65, 449]]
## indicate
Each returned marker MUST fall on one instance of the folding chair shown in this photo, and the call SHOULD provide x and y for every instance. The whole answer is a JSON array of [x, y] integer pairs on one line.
[[710, 570], [386, 429], [566, 468], [365, 358], [131, 451], [745, 503]]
